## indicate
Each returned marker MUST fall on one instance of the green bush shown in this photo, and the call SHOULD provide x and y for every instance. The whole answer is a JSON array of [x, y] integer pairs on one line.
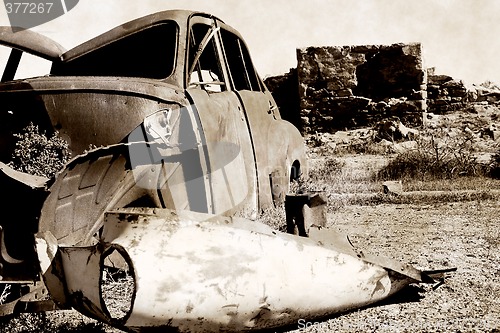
[[37, 154]]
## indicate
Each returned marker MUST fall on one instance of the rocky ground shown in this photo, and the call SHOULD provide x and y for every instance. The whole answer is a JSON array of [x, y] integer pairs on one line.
[[479, 123]]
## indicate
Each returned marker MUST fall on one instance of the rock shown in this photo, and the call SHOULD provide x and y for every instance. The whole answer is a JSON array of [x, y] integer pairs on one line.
[[331, 145], [393, 130], [453, 132], [393, 187], [386, 144], [495, 135], [438, 79], [455, 88], [341, 81], [469, 131], [342, 137], [492, 131], [405, 146], [484, 158]]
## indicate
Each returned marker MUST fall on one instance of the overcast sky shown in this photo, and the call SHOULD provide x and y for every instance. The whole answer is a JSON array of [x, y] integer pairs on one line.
[[459, 37]]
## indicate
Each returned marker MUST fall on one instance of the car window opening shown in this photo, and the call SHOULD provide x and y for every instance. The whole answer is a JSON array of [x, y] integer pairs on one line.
[[149, 53], [21, 65], [205, 68], [242, 72]]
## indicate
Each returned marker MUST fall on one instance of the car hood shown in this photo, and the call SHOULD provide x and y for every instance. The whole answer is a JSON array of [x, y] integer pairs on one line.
[[31, 42]]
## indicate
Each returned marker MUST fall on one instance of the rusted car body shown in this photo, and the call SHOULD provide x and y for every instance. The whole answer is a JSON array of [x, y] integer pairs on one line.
[[174, 155], [187, 88]]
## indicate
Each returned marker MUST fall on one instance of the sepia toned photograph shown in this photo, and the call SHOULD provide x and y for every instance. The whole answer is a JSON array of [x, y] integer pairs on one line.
[[250, 166]]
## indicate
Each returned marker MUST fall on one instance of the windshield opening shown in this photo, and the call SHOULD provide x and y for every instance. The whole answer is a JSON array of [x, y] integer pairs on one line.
[[149, 53], [29, 65]]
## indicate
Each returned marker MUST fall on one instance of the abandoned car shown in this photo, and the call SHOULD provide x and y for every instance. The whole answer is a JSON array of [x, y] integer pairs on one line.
[[176, 146]]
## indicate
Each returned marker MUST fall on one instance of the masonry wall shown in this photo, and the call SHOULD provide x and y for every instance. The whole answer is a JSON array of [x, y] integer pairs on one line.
[[345, 87], [444, 94], [353, 86]]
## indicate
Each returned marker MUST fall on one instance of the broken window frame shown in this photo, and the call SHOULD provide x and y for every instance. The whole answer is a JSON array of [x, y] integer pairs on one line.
[[195, 65]]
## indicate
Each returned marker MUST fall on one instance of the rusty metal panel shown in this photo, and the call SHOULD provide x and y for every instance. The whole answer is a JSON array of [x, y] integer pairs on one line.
[[75, 208], [86, 119], [31, 42], [94, 111], [260, 123], [304, 211], [82, 274], [278, 144], [231, 157], [189, 267], [225, 278], [18, 224]]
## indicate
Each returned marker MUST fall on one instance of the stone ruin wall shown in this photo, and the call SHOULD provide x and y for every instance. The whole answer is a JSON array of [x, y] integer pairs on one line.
[[444, 94], [344, 87]]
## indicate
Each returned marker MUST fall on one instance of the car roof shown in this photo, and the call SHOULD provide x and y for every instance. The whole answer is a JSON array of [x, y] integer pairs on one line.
[[31, 42], [179, 15]]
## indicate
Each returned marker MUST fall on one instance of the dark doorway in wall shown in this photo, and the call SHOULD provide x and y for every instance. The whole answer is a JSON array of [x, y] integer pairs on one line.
[[389, 73]]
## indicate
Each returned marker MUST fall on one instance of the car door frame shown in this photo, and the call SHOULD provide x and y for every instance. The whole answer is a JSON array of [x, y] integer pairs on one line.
[[226, 134], [269, 134]]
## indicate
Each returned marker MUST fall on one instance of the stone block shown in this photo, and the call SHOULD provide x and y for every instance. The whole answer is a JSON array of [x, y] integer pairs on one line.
[[393, 187]]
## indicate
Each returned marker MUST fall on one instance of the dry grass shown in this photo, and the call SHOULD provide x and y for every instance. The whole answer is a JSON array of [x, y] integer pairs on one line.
[[442, 161], [50, 322], [117, 291], [355, 180], [37, 153], [274, 217]]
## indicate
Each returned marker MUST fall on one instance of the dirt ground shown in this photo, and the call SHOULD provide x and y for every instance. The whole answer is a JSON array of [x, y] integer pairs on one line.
[[463, 235]]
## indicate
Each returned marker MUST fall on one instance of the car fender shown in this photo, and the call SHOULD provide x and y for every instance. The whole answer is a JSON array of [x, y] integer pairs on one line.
[[287, 150]]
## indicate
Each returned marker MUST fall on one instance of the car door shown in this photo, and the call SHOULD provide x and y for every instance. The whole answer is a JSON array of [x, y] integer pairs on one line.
[[227, 139], [270, 146]]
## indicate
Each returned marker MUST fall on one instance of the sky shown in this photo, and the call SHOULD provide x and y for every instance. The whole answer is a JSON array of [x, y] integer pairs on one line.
[[459, 37]]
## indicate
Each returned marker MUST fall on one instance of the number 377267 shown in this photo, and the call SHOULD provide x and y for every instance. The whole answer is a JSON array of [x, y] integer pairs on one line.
[[28, 7]]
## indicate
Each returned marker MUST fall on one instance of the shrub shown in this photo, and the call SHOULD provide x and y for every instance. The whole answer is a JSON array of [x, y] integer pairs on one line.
[[37, 154], [494, 167], [327, 171], [436, 157]]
